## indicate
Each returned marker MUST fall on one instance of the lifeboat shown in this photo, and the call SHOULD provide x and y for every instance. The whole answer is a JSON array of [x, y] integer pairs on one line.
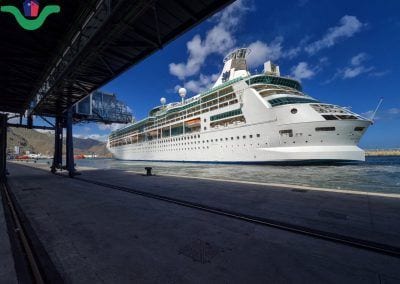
[[193, 122], [79, 157]]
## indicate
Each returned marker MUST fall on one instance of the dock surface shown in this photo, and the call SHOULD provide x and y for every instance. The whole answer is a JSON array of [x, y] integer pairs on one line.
[[7, 265], [94, 233]]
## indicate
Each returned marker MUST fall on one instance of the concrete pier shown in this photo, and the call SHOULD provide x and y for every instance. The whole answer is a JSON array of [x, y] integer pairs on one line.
[[97, 234]]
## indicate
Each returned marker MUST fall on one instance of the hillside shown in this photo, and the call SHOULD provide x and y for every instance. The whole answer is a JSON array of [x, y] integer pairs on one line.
[[38, 142]]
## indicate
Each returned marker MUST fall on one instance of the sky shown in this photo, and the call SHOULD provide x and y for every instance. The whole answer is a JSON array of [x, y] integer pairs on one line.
[[343, 52]]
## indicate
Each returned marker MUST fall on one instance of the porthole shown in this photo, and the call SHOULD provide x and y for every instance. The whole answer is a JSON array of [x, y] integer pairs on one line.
[[293, 110]]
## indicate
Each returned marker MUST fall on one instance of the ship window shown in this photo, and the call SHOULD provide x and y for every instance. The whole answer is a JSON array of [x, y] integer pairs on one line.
[[244, 137], [237, 137], [226, 114], [251, 136], [347, 117], [358, 128], [205, 128], [212, 140], [258, 135], [330, 117], [325, 129], [231, 138], [290, 100], [286, 132], [226, 139]]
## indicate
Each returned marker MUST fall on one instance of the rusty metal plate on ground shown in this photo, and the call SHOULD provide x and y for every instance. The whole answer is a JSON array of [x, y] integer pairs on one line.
[[200, 251]]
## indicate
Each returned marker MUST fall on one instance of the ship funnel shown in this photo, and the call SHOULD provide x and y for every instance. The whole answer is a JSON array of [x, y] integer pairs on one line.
[[235, 66], [271, 69]]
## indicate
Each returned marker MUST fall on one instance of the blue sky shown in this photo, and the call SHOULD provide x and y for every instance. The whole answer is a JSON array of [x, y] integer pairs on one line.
[[343, 52]]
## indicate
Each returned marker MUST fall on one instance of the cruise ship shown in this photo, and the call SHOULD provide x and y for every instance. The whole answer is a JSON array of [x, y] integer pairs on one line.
[[244, 118]]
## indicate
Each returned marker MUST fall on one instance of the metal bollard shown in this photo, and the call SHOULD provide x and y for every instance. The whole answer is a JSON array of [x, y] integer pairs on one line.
[[148, 171]]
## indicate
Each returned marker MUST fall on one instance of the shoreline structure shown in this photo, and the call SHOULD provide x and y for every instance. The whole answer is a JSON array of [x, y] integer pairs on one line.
[[382, 152]]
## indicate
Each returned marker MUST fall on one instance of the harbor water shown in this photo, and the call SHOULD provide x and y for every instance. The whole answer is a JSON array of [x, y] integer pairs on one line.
[[377, 174]]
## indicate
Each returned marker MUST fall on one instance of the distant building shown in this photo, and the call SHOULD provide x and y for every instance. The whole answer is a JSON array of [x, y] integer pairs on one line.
[[31, 8]]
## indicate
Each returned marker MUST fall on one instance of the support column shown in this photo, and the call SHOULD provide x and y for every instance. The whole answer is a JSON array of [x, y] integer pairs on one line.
[[58, 144], [70, 145], [3, 146]]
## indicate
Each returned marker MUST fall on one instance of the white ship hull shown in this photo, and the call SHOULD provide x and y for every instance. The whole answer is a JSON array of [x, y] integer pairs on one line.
[[263, 118], [264, 149]]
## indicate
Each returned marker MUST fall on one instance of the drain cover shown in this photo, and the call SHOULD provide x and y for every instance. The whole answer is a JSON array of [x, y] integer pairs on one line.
[[200, 251]]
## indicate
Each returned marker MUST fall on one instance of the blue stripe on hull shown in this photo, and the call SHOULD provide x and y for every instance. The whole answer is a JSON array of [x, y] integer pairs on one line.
[[282, 163]]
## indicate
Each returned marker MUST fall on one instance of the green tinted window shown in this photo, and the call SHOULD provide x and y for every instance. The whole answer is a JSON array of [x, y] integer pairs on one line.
[[275, 81], [226, 114], [290, 100]]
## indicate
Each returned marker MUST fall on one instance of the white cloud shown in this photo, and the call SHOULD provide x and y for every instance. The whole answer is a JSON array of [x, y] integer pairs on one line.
[[348, 26], [385, 114], [218, 40], [302, 71], [260, 52], [45, 131], [111, 127], [356, 67], [197, 86], [292, 52], [368, 114], [11, 118], [394, 111], [358, 59], [352, 72], [98, 137], [379, 73]]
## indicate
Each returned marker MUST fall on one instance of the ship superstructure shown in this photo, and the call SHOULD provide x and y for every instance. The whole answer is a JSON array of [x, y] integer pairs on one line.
[[244, 118]]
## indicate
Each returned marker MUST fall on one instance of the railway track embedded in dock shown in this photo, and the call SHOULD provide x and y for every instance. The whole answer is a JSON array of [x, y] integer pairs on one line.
[[306, 231], [31, 261]]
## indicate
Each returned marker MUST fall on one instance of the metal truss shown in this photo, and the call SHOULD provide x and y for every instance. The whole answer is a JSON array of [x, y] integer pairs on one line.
[[96, 19]]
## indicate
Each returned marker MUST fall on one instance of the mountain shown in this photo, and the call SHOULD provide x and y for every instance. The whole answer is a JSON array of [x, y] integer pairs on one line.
[[42, 142]]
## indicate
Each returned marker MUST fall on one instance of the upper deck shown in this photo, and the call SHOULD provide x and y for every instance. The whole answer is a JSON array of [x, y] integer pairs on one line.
[[203, 102]]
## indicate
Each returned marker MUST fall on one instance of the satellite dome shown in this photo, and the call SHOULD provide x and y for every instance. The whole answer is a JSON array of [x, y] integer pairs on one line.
[[163, 101], [182, 92]]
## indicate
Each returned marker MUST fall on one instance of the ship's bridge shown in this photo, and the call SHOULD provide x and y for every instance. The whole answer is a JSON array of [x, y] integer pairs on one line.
[[274, 80]]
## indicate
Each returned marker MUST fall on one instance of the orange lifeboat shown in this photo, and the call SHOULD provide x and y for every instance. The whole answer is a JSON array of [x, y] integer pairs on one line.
[[79, 157], [193, 122]]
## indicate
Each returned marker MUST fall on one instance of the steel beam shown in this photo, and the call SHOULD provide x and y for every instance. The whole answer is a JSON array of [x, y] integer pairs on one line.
[[79, 42], [58, 143], [3, 146], [32, 127], [70, 144]]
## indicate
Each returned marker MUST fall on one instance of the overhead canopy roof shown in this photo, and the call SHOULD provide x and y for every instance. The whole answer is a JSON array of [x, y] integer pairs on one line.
[[85, 46]]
